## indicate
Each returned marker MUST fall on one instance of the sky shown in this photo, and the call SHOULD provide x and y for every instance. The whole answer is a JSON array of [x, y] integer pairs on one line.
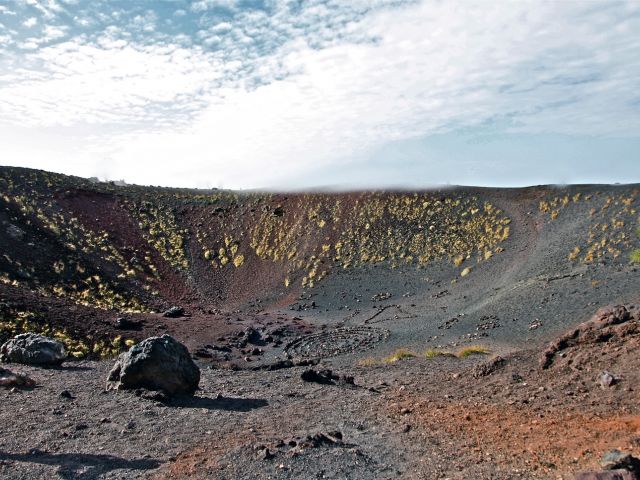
[[292, 94]]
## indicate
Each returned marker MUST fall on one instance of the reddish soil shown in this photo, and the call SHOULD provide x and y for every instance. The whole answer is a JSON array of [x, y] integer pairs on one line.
[[551, 421]]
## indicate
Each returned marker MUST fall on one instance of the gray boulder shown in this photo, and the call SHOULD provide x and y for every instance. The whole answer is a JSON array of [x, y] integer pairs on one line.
[[33, 349], [157, 363]]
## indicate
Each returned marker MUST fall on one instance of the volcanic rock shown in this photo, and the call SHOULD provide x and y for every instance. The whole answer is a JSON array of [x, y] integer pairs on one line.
[[10, 379], [33, 349], [615, 459], [15, 232], [174, 312], [607, 323], [157, 363], [607, 475], [325, 377], [487, 368], [607, 379], [123, 323]]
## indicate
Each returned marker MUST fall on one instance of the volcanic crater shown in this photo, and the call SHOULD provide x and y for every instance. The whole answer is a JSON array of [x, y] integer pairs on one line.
[[439, 304]]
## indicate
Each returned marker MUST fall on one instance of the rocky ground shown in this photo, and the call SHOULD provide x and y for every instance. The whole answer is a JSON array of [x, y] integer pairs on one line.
[[485, 416]]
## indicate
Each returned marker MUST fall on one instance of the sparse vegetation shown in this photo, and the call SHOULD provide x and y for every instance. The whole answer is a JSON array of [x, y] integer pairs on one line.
[[434, 353], [609, 234], [367, 362], [161, 229], [472, 350], [431, 353], [398, 355], [15, 322], [635, 253], [377, 228]]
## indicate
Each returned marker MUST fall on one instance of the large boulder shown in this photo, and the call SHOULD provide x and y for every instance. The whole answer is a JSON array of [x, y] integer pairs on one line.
[[157, 363], [33, 349]]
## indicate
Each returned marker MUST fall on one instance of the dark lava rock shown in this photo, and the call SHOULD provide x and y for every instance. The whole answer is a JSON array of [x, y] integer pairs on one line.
[[33, 349], [264, 454], [325, 377], [12, 380], [66, 394], [320, 439], [615, 459], [213, 352], [124, 323], [617, 465], [155, 395], [157, 363], [607, 475], [280, 364], [174, 312]]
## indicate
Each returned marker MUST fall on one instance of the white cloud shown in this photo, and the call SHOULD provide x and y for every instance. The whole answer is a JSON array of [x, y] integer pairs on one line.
[[203, 5], [48, 8], [53, 32], [115, 84], [5, 11], [146, 22], [30, 22], [283, 93], [82, 21], [30, 44], [221, 27]]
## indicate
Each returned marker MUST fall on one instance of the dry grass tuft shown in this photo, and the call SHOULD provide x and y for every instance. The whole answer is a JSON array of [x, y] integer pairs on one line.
[[367, 362], [472, 350], [399, 354], [433, 353]]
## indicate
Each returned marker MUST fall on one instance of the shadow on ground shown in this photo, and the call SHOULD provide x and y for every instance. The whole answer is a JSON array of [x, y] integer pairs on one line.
[[219, 403], [80, 465]]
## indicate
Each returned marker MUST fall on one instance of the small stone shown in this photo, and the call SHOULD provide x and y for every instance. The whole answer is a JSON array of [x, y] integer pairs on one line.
[[264, 454], [607, 379]]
